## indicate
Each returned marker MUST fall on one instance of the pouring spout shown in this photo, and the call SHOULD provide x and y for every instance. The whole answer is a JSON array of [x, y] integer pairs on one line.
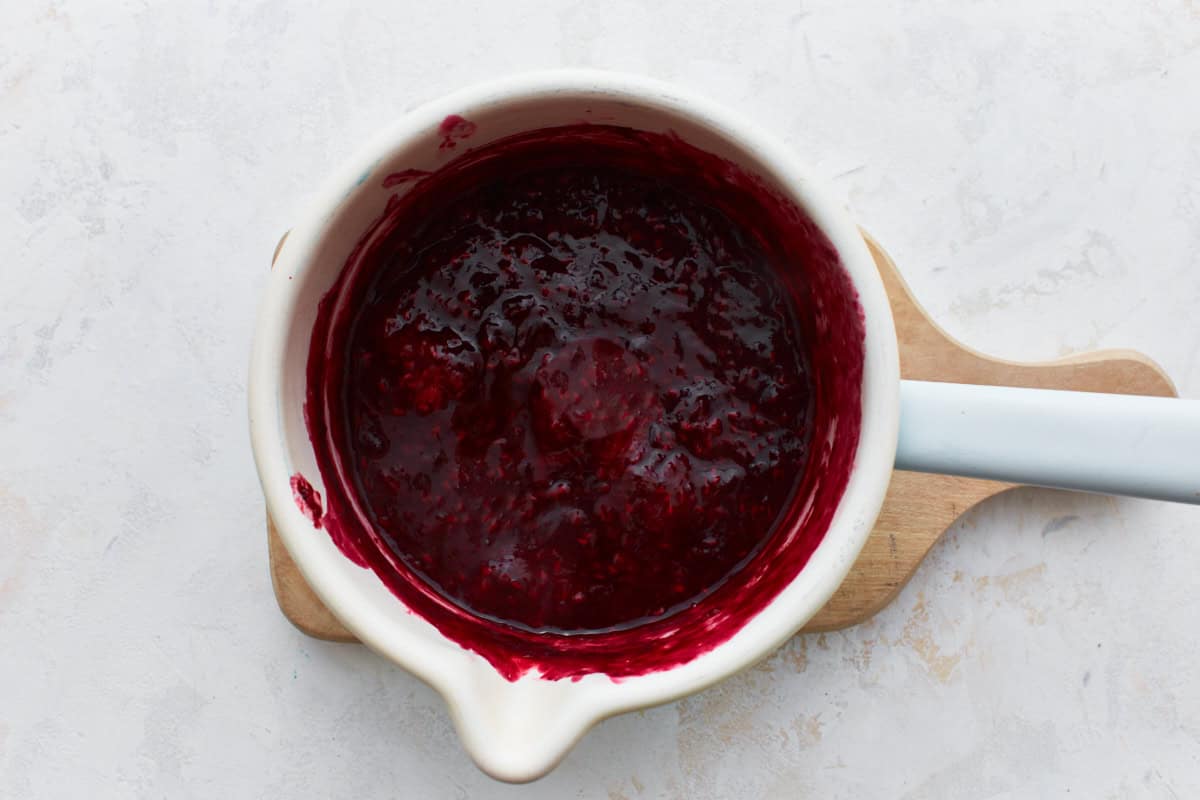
[[517, 731]]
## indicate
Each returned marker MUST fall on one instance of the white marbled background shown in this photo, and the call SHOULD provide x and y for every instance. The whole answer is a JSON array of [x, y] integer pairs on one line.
[[1033, 166]]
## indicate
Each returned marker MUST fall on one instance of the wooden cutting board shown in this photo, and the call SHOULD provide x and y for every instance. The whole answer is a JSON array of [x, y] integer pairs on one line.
[[918, 508]]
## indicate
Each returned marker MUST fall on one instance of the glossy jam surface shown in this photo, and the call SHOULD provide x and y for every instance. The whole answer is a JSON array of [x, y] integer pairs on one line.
[[563, 399], [576, 399]]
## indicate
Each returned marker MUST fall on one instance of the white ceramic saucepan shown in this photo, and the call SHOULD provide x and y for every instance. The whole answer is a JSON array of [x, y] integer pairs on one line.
[[517, 730]]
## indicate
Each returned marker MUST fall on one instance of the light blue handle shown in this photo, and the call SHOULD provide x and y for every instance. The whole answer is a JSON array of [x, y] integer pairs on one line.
[[1108, 443]]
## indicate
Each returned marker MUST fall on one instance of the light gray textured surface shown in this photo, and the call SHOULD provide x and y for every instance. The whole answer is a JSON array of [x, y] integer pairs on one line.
[[1034, 168]]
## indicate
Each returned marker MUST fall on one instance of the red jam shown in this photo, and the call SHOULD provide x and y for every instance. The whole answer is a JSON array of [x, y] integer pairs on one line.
[[563, 400]]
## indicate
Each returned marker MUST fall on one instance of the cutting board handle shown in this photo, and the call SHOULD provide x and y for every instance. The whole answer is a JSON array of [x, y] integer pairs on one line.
[[1087, 441]]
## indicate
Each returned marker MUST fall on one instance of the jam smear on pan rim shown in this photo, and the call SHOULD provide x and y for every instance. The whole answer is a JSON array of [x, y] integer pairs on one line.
[[585, 399]]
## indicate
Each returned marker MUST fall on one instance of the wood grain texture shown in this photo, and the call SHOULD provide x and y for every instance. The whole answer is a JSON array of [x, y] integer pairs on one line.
[[918, 508]]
